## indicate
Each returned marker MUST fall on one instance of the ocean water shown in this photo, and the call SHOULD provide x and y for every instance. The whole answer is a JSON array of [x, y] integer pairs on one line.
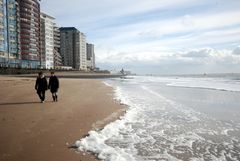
[[171, 119]]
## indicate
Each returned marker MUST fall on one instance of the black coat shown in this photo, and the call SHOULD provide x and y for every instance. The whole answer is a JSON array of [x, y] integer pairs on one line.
[[41, 84], [53, 84]]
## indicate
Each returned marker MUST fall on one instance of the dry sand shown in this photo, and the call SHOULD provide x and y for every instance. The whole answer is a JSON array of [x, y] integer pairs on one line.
[[31, 131]]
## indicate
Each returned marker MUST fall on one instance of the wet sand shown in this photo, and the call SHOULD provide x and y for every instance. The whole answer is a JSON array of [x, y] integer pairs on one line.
[[32, 131]]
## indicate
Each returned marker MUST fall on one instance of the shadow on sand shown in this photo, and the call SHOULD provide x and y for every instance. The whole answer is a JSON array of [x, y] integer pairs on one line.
[[18, 103]]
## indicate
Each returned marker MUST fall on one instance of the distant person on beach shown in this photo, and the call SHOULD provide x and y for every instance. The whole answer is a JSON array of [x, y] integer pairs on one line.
[[41, 86], [53, 86], [122, 72]]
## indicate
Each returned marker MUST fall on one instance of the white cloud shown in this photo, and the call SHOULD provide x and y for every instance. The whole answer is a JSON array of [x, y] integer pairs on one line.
[[85, 12], [198, 60], [236, 51], [151, 57], [182, 24]]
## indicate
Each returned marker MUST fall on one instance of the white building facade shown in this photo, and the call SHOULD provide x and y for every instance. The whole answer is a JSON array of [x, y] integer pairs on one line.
[[47, 41], [57, 56], [90, 57], [83, 52]]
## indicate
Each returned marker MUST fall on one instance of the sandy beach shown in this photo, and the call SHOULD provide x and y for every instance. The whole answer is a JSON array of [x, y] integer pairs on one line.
[[31, 131]]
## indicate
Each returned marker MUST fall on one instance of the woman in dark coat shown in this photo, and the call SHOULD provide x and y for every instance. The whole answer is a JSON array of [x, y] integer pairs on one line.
[[41, 86], [53, 86]]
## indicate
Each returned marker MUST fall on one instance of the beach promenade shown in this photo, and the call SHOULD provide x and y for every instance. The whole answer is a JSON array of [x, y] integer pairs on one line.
[[32, 131]]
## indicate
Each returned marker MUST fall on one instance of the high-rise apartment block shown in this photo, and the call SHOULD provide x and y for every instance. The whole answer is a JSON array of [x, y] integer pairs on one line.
[[9, 37], [29, 11], [83, 51], [90, 57], [57, 56], [73, 48], [47, 41], [20, 33]]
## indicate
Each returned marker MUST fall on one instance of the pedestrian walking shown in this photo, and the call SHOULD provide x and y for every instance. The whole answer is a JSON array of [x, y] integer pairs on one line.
[[41, 86], [53, 86]]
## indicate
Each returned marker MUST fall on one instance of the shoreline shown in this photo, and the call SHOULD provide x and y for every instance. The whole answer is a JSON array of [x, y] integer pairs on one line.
[[72, 75], [31, 131]]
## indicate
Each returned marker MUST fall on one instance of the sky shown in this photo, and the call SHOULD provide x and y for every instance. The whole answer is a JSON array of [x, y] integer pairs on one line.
[[156, 36]]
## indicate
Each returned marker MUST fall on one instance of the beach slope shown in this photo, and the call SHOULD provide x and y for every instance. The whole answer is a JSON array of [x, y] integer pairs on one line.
[[32, 131]]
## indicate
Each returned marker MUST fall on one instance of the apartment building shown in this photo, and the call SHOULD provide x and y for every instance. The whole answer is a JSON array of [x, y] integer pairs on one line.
[[30, 36], [90, 57], [9, 37], [83, 51], [73, 48], [47, 41], [57, 56]]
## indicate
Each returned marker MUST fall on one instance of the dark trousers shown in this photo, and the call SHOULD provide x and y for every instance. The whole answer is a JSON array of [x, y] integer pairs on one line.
[[41, 94]]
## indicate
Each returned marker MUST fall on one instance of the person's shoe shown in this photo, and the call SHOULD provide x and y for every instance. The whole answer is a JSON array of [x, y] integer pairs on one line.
[[42, 101]]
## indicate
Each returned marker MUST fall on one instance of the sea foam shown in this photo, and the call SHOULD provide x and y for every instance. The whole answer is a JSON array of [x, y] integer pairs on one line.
[[158, 128]]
